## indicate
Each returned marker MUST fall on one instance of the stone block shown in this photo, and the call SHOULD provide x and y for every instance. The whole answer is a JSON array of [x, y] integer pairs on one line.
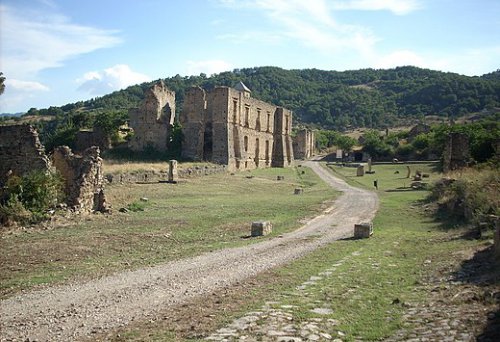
[[363, 230], [261, 228], [360, 171]]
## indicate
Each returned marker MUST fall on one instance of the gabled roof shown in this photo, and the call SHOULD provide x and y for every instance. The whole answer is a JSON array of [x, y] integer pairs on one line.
[[240, 86]]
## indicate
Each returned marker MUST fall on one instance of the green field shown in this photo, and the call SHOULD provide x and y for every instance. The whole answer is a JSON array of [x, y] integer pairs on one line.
[[177, 221]]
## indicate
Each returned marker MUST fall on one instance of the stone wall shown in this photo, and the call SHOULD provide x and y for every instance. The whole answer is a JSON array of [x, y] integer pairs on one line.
[[456, 153], [152, 121], [151, 176], [229, 127], [21, 151], [304, 144], [83, 179], [88, 138]]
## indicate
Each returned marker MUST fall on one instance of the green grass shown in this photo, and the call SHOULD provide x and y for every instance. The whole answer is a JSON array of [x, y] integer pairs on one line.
[[177, 221]]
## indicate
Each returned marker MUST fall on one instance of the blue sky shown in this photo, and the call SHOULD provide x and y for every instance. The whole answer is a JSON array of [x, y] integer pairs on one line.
[[54, 52]]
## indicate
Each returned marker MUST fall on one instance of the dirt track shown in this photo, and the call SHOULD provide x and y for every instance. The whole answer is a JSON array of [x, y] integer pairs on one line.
[[78, 311]]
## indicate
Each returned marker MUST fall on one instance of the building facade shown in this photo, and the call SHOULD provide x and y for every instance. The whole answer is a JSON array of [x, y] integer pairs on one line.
[[227, 126]]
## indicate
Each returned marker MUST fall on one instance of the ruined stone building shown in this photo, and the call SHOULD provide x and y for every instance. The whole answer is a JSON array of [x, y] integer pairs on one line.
[[227, 126], [21, 153], [304, 144], [456, 153], [153, 120]]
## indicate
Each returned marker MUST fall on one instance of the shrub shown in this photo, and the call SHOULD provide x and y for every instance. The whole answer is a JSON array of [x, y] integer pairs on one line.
[[468, 194], [27, 199]]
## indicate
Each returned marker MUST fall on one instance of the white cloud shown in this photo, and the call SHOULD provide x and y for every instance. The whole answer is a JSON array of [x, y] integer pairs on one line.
[[26, 86], [311, 23], [400, 58], [117, 77], [398, 7], [33, 41], [470, 62], [208, 67], [19, 92]]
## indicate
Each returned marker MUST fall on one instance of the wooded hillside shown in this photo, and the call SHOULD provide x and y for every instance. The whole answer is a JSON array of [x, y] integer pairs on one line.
[[326, 99]]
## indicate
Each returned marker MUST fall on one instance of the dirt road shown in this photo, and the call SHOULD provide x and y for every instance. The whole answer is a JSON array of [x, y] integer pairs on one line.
[[79, 311]]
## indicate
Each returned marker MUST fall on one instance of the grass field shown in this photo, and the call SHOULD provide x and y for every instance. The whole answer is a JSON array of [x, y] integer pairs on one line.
[[177, 221]]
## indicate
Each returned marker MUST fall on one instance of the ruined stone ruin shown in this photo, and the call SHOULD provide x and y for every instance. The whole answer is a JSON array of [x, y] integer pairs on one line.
[[456, 153], [152, 122], [88, 138], [227, 126], [83, 179], [304, 144], [20, 152]]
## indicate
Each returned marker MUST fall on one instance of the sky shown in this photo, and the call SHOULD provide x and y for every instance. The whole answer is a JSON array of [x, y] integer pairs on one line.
[[54, 52]]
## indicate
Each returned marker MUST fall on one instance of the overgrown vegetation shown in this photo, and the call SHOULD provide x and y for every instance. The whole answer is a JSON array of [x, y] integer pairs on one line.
[[483, 136], [468, 195], [27, 199]]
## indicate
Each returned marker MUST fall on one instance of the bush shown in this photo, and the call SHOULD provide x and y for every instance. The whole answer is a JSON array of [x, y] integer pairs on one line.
[[468, 195], [27, 199]]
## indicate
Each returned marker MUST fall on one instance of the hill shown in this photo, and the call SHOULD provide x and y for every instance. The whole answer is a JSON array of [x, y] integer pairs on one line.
[[326, 99]]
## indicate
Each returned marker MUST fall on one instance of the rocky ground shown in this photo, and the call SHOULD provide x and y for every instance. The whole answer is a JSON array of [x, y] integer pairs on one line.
[[461, 306]]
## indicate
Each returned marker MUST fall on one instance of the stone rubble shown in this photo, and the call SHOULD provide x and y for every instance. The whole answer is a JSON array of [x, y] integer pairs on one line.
[[275, 321]]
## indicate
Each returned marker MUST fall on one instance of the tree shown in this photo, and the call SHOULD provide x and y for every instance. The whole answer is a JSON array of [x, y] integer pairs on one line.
[[2, 84]]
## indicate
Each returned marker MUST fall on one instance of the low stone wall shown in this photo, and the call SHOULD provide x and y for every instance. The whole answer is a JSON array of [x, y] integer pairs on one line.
[[151, 176]]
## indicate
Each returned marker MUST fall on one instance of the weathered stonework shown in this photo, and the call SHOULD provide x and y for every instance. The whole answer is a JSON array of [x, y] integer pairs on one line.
[[87, 138], [261, 228], [83, 180], [456, 153], [227, 126], [21, 151], [172, 171], [304, 144], [152, 121]]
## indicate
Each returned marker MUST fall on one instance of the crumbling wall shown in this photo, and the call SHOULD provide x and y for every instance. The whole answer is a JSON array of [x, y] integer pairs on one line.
[[456, 153], [304, 144], [88, 138], [20, 151], [227, 126], [83, 179], [152, 122]]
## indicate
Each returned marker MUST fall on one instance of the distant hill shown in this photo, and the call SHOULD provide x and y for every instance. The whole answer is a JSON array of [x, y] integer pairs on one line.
[[327, 99]]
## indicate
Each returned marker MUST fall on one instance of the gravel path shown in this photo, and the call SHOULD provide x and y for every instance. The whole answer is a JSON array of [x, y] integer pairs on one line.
[[81, 310]]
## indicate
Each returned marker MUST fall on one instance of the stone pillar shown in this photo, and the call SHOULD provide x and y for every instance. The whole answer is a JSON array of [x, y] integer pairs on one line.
[[369, 165], [172, 171]]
